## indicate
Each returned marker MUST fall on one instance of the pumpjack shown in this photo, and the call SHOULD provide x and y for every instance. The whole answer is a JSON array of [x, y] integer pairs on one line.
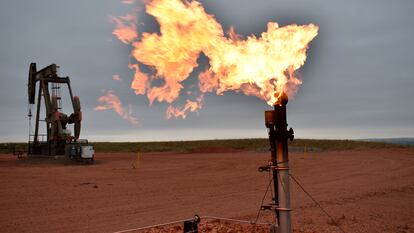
[[59, 139]]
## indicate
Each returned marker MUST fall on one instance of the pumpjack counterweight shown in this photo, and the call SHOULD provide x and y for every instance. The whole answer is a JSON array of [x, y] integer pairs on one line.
[[59, 139]]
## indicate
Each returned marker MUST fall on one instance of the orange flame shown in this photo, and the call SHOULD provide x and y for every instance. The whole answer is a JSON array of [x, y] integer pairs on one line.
[[116, 77], [191, 106], [111, 101], [140, 82], [128, 2], [126, 27], [256, 66]]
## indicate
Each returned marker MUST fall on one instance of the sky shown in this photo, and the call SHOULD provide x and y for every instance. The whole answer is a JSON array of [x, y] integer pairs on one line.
[[357, 80]]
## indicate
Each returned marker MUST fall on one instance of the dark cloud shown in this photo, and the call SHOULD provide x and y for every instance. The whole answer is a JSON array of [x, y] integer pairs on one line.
[[357, 80]]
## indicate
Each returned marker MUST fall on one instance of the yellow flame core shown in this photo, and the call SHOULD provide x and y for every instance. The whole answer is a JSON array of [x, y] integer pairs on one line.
[[257, 66]]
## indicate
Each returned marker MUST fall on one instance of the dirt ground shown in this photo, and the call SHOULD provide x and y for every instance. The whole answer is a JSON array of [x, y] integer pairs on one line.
[[365, 191]]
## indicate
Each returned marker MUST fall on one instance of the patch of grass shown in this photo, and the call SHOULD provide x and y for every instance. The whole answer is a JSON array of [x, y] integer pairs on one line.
[[342, 144], [12, 148], [254, 144]]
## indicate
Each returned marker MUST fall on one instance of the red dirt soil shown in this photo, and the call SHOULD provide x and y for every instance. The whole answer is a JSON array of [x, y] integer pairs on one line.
[[365, 191]]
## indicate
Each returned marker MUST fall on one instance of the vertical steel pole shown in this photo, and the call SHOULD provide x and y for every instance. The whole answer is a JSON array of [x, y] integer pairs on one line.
[[270, 124], [275, 121], [282, 136]]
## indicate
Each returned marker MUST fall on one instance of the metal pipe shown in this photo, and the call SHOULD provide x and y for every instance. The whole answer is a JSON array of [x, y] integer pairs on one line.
[[270, 124], [275, 121], [282, 136]]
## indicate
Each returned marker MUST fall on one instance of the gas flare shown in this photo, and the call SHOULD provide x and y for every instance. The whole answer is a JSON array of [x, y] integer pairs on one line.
[[116, 77], [111, 101], [191, 106], [256, 66], [126, 27]]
